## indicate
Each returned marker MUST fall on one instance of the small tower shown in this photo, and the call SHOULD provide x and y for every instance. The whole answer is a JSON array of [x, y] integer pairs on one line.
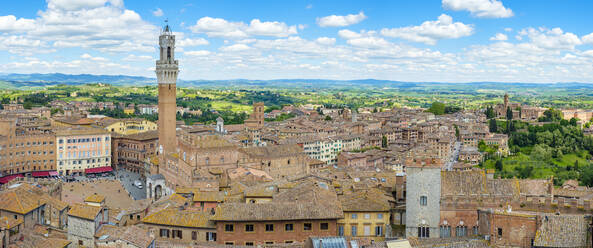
[[220, 125], [506, 101], [167, 69]]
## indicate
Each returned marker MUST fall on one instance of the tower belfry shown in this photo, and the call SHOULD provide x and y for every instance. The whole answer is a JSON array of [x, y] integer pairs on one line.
[[167, 69]]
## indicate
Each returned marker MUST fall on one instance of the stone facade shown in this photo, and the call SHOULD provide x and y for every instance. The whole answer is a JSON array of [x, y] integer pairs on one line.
[[423, 194]]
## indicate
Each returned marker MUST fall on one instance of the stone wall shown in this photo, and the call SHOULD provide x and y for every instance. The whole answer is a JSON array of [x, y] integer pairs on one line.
[[423, 181], [81, 230]]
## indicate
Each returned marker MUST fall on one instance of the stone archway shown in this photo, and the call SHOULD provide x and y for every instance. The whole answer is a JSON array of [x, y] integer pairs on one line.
[[158, 192]]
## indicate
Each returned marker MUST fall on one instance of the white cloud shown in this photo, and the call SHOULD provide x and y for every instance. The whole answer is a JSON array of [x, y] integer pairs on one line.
[[340, 21], [187, 42], [158, 12], [235, 48], [499, 37], [480, 8], [89, 57], [348, 34], [218, 27], [10, 23], [199, 53], [326, 41], [309, 6], [138, 58], [551, 38], [588, 39], [70, 5], [429, 32], [278, 29], [508, 29]]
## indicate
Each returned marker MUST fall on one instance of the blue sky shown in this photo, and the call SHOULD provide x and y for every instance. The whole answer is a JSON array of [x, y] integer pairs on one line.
[[439, 40]]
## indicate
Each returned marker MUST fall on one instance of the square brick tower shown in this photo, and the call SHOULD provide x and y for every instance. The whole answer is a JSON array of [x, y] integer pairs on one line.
[[167, 69]]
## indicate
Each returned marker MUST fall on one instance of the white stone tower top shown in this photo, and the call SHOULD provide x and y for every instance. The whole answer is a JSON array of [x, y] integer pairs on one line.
[[167, 67]]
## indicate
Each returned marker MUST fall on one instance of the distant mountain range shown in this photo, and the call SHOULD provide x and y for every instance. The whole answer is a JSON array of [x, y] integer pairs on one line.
[[42, 80]]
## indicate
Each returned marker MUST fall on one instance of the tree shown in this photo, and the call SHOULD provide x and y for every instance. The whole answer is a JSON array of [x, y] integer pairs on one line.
[[490, 112], [328, 118], [456, 131], [384, 141], [492, 125], [509, 113], [437, 108], [573, 121], [27, 105], [498, 165], [586, 175]]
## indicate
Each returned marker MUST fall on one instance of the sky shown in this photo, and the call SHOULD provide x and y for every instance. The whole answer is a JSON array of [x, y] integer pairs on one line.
[[535, 41]]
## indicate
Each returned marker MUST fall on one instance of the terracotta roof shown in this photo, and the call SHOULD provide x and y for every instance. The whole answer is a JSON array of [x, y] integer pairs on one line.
[[365, 201], [147, 135], [8, 223], [19, 200], [177, 217], [84, 211], [208, 196], [129, 234], [96, 198], [273, 151], [562, 231], [275, 211]]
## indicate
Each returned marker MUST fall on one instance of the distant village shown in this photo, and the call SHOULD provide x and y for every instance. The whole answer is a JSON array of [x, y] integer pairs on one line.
[[400, 177]]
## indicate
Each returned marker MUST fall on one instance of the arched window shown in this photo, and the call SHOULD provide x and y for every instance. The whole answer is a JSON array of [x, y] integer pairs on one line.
[[461, 231], [169, 53], [445, 231]]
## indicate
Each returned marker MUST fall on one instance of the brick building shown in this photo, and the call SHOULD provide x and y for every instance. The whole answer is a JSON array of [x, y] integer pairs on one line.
[[26, 152], [179, 225], [130, 151], [274, 222]]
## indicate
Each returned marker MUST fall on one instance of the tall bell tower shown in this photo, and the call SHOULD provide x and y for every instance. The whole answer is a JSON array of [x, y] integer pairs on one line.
[[166, 71]]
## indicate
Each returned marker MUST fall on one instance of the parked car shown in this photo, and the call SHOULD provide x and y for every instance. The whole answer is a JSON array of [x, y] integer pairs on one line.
[[138, 184]]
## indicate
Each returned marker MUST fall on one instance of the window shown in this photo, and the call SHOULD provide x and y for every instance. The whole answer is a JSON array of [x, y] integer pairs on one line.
[[210, 236], [194, 235], [80, 242], [367, 216], [500, 232], [269, 242], [324, 226], [289, 227], [249, 228], [379, 231], [423, 232], [249, 243], [354, 216], [380, 216], [353, 231], [423, 200], [445, 231], [164, 233], [229, 243], [307, 226], [229, 227], [341, 231], [269, 227], [367, 230], [475, 230], [288, 242], [460, 231]]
